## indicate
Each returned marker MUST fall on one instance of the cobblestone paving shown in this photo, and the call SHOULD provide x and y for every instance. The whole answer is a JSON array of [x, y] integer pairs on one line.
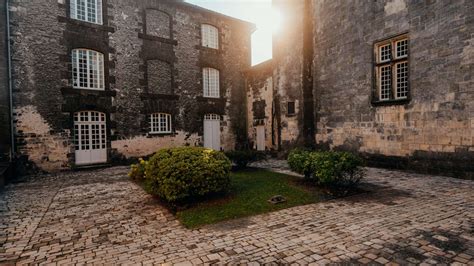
[[101, 217]]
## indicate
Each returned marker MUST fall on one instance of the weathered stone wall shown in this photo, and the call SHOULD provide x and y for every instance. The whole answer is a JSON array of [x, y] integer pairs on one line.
[[159, 77], [435, 130], [37, 68], [292, 53], [4, 94], [183, 52], [260, 104], [44, 36]]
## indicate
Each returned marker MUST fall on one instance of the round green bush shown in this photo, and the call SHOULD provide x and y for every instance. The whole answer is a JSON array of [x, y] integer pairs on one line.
[[298, 161], [328, 168], [180, 174]]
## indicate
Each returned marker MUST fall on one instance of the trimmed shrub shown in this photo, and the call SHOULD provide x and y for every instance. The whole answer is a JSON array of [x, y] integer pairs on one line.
[[337, 169], [137, 171], [242, 158], [181, 174], [298, 161]]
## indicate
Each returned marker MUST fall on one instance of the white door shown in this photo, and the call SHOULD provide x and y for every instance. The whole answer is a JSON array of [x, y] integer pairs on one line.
[[212, 131], [260, 138], [90, 137]]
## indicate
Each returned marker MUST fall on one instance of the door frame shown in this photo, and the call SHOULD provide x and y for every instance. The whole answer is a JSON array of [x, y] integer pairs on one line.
[[215, 121], [97, 121]]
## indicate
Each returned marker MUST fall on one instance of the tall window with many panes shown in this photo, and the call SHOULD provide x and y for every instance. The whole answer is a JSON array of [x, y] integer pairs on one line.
[[87, 10], [210, 78], [210, 36], [391, 69], [87, 69]]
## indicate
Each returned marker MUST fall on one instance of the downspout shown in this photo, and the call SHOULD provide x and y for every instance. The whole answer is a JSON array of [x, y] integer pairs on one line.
[[10, 81]]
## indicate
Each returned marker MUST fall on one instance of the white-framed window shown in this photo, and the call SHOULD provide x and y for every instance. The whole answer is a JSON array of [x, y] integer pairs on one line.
[[87, 69], [213, 117], [210, 81], [392, 69], [160, 123], [210, 36], [87, 10]]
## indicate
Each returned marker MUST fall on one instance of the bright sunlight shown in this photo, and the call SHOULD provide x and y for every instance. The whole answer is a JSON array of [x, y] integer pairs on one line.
[[259, 12]]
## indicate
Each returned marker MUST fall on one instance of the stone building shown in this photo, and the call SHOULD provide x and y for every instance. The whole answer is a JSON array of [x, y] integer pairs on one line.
[[107, 80], [390, 79]]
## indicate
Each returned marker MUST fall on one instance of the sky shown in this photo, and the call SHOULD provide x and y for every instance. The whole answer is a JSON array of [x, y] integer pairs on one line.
[[259, 12]]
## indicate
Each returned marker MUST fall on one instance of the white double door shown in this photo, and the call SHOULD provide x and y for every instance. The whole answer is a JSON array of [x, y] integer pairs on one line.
[[212, 131], [90, 137]]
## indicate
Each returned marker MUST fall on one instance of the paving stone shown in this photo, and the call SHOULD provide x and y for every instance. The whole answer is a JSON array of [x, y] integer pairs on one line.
[[100, 217]]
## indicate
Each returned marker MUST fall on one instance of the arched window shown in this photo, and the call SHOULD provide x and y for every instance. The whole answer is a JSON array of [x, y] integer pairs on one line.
[[157, 23], [210, 80], [210, 36], [87, 10], [160, 123], [87, 69]]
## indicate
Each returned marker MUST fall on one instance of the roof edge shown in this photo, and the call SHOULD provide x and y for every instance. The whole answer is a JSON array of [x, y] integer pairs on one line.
[[202, 9]]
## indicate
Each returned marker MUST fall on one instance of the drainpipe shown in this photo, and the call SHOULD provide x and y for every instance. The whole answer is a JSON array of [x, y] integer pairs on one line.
[[10, 81]]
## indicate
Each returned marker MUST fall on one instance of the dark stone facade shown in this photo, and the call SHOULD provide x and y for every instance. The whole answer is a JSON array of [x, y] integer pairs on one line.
[[5, 131], [5, 139], [152, 63], [260, 105]]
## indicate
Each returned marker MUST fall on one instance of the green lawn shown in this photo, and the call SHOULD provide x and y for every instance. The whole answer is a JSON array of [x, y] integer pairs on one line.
[[250, 191]]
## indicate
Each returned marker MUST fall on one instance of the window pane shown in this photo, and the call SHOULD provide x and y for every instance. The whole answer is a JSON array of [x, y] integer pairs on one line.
[[402, 79], [210, 36], [87, 69], [160, 123], [211, 82], [87, 10], [385, 52], [402, 48], [385, 82]]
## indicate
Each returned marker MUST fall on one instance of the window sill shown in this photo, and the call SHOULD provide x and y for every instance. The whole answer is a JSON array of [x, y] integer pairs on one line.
[[90, 25], [150, 134], [391, 102], [210, 99], [146, 96], [209, 50], [156, 38], [72, 91]]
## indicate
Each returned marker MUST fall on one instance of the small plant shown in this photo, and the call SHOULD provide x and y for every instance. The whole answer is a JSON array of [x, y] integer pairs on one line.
[[241, 158], [332, 169], [187, 173], [137, 171], [298, 161], [337, 169]]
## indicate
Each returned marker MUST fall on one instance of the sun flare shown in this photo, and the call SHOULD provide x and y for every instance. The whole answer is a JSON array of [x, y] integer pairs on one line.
[[267, 19]]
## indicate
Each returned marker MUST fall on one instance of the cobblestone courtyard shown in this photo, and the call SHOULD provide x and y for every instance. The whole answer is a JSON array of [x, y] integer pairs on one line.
[[102, 217]]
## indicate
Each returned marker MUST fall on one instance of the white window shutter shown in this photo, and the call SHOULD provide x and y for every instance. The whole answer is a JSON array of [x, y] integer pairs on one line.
[[99, 12], [204, 35], [215, 38], [205, 81], [73, 9], [216, 83]]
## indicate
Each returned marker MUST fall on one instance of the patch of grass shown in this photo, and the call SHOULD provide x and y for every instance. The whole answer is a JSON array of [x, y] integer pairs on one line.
[[250, 191]]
